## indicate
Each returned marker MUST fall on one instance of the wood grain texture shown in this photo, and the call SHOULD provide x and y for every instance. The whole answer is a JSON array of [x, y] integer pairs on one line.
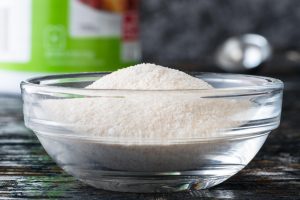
[[27, 172]]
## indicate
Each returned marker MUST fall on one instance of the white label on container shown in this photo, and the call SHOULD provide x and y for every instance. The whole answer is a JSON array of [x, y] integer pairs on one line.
[[15, 31], [89, 21]]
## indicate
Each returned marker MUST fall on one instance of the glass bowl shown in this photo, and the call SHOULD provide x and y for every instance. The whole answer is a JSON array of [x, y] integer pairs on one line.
[[80, 129]]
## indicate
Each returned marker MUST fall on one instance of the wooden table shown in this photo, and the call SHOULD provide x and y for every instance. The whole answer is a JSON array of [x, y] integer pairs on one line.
[[26, 171]]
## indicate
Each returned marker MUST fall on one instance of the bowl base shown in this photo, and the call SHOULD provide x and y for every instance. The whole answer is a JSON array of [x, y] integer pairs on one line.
[[146, 182], [155, 185]]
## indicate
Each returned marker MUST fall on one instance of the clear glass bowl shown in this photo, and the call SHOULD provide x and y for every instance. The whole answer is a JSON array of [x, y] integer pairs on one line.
[[136, 161]]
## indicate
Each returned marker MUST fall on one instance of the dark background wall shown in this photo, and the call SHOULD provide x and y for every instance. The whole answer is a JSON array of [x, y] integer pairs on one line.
[[189, 31]]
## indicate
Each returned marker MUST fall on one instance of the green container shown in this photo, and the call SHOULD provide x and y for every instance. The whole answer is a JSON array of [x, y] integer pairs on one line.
[[54, 36]]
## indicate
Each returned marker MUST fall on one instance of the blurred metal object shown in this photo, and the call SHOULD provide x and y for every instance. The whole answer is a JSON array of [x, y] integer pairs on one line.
[[243, 53]]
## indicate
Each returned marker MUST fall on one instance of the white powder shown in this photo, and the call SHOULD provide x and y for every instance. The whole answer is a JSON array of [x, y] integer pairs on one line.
[[144, 124], [145, 116], [149, 77]]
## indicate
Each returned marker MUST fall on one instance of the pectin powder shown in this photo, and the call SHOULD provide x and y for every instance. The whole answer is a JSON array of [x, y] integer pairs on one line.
[[149, 77], [143, 115]]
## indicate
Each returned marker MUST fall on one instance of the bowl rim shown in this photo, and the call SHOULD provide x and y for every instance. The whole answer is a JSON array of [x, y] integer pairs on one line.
[[269, 83]]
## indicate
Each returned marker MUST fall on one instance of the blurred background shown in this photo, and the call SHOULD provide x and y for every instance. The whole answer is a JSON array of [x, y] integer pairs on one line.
[[188, 33], [62, 36]]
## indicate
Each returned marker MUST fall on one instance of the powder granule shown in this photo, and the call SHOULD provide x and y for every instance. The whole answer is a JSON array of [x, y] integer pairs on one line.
[[145, 116], [149, 77]]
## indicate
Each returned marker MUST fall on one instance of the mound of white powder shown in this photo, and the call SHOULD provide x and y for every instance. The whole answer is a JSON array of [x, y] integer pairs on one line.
[[149, 77], [147, 115], [150, 125]]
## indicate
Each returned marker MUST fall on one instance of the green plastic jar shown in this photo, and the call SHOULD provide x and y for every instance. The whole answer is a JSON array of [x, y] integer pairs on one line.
[[61, 36]]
